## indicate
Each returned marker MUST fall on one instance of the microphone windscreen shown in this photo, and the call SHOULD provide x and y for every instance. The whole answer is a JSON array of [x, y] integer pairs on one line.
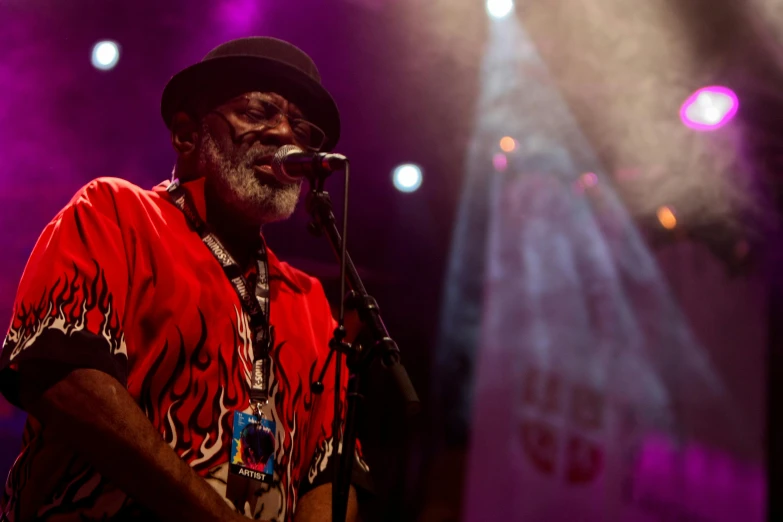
[[278, 163]]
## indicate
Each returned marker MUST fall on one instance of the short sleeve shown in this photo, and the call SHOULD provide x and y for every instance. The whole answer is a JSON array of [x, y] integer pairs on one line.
[[69, 306], [321, 442]]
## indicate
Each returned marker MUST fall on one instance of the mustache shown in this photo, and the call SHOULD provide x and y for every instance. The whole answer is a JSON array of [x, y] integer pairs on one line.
[[256, 153]]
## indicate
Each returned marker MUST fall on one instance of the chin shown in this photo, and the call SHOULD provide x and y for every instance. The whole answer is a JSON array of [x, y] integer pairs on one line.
[[270, 216], [271, 205], [250, 199]]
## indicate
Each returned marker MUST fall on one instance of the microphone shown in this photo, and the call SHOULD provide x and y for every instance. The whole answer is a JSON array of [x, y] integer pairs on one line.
[[290, 164]]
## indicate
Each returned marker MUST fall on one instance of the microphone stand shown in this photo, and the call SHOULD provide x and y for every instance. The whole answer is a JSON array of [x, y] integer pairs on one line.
[[375, 342]]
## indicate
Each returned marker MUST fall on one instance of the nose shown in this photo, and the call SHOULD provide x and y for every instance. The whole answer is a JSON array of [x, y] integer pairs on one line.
[[281, 134]]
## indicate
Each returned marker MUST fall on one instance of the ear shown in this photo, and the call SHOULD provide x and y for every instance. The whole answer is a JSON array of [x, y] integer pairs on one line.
[[184, 134]]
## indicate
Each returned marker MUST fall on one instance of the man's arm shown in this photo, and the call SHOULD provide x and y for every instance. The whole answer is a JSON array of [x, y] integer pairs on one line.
[[95, 414], [316, 506]]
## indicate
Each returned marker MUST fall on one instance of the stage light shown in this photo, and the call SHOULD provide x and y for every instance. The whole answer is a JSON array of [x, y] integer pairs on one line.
[[500, 8], [407, 177], [500, 162], [508, 144], [105, 55], [239, 17], [709, 108], [589, 179], [667, 218]]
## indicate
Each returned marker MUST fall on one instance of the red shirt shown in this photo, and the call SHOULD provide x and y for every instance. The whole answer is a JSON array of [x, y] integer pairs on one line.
[[119, 282]]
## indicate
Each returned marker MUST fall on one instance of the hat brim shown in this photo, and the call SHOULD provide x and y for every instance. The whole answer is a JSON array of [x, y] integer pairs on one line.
[[249, 73]]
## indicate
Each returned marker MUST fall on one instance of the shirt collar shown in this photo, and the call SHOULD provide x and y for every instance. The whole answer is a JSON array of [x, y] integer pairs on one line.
[[277, 268]]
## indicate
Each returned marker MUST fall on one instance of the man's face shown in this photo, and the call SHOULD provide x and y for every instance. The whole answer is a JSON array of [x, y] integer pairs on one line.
[[236, 145]]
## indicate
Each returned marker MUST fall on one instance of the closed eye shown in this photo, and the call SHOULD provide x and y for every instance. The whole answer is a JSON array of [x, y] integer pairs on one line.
[[256, 115]]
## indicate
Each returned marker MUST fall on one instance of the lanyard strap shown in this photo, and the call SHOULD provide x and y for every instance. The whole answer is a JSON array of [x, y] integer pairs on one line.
[[255, 304]]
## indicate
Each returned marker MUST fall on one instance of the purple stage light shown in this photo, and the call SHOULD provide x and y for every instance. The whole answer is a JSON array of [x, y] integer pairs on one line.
[[239, 16], [709, 108], [500, 162], [589, 179]]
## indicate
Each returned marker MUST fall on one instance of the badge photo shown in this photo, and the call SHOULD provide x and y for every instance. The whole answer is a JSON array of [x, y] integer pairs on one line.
[[253, 447]]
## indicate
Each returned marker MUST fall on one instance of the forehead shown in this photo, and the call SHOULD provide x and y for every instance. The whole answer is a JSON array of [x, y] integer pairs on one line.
[[277, 99]]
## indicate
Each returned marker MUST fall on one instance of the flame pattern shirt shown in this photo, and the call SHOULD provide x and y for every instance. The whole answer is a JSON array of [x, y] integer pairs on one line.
[[118, 282]]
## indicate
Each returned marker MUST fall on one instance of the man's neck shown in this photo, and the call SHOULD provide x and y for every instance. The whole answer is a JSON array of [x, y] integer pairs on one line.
[[242, 244], [240, 238]]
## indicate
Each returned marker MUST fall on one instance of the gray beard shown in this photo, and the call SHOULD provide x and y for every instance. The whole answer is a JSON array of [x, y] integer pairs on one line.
[[239, 189]]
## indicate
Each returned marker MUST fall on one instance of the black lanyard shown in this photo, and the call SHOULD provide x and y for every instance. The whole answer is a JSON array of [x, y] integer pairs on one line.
[[255, 304]]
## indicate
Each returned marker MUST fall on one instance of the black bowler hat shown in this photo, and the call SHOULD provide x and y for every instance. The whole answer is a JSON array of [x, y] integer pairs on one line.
[[257, 63]]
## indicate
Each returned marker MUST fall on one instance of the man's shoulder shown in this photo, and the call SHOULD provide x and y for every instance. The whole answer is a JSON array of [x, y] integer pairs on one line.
[[300, 280], [109, 192], [109, 186]]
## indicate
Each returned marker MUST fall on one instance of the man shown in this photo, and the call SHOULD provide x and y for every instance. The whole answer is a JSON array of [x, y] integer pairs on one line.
[[165, 362]]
